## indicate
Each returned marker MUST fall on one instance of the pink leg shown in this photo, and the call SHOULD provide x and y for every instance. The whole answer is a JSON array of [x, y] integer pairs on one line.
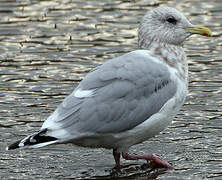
[[116, 156], [152, 158]]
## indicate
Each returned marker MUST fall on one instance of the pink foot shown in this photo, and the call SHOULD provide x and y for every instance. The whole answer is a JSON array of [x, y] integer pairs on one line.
[[152, 158], [158, 161]]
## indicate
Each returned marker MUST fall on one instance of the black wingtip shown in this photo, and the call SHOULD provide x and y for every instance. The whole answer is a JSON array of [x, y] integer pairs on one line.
[[15, 145], [33, 140]]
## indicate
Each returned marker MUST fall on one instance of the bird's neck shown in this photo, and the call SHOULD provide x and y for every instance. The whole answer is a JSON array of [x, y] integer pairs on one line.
[[173, 55]]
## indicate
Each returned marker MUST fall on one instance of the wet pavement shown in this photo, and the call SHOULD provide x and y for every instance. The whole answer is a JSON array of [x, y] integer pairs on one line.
[[47, 47]]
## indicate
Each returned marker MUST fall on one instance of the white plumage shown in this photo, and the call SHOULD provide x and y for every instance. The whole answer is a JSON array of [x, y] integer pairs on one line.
[[128, 99]]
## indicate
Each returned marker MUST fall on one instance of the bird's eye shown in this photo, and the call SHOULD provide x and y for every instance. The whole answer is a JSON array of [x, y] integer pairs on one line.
[[171, 20]]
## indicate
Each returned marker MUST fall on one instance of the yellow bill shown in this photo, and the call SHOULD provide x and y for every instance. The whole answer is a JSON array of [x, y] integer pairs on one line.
[[204, 31]]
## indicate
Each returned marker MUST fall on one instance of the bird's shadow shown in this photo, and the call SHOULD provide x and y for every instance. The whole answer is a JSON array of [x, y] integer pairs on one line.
[[134, 171]]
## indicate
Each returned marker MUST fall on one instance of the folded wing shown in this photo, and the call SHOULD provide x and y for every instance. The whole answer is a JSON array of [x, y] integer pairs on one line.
[[115, 97]]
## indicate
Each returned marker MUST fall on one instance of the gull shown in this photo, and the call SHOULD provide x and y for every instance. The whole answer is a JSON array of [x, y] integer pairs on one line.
[[130, 98]]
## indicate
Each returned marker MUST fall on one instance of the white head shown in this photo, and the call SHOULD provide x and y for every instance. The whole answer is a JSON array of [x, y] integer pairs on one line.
[[167, 25]]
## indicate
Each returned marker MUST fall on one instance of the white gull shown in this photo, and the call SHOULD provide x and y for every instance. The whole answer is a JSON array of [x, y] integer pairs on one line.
[[128, 99]]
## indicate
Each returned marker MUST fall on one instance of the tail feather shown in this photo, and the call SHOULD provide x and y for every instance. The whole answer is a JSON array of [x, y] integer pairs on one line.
[[36, 140]]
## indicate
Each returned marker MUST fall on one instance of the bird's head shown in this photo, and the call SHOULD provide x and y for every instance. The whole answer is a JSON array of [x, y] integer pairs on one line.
[[167, 25]]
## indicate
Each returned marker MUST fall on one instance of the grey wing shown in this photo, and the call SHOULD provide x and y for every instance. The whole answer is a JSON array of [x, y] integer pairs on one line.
[[126, 91]]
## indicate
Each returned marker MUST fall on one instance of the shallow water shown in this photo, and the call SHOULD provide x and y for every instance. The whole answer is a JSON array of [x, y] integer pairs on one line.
[[46, 48]]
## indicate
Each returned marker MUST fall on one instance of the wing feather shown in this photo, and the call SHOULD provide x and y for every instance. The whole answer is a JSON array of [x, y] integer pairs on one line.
[[126, 91]]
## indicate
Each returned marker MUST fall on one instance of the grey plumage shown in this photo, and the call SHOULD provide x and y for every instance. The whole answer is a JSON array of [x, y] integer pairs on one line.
[[130, 98], [127, 92]]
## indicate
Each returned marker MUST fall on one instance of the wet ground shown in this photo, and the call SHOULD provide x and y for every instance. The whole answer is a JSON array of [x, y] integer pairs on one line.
[[46, 48]]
